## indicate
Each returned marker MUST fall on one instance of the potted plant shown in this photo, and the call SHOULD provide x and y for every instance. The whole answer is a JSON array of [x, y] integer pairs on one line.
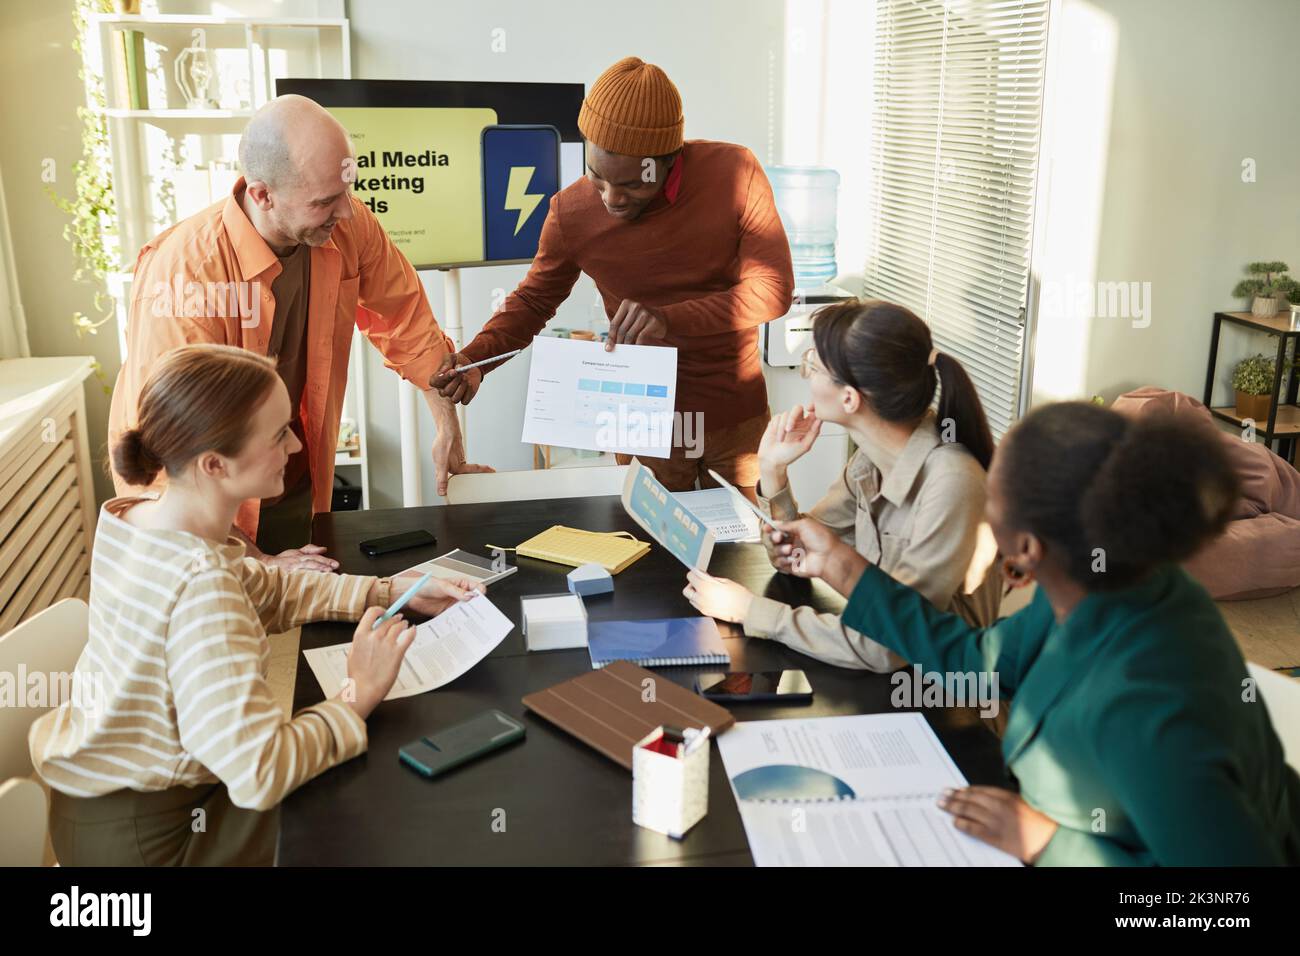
[[1267, 287], [1252, 380], [93, 208]]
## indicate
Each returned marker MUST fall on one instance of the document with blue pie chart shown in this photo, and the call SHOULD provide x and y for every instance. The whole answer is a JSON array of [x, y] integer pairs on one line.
[[848, 791]]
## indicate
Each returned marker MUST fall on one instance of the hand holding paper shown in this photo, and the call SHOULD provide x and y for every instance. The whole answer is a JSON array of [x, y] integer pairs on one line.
[[718, 598], [436, 594], [373, 659], [666, 519], [442, 649], [582, 396], [635, 324]]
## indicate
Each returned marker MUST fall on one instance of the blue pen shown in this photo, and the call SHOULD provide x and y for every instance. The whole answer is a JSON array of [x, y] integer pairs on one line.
[[401, 601]]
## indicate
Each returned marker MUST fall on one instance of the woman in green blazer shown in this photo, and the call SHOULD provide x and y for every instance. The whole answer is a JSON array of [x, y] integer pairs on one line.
[[1135, 733]]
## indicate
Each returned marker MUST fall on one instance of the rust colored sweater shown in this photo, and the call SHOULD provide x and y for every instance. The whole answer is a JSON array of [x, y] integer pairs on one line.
[[713, 260]]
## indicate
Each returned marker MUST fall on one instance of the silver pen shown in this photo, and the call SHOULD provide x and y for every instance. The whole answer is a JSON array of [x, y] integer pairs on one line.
[[487, 361]]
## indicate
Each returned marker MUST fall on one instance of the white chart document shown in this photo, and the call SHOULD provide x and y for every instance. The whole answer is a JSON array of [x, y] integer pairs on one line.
[[580, 396], [715, 508], [444, 648], [848, 791]]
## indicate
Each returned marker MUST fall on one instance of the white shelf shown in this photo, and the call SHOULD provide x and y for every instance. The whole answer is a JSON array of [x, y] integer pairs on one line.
[[204, 20], [343, 458], [177, 114], [140, 138]]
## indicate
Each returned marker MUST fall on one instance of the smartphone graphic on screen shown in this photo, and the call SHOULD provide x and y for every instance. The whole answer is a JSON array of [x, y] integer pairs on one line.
[[521, 172]]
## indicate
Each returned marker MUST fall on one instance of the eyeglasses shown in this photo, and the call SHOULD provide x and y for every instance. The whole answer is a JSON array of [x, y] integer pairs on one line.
[[807, 365]]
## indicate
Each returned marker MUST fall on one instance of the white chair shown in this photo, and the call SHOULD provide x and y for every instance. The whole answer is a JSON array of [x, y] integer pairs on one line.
[[23, 822], [48, 643], [536, 484], [1282, 698]]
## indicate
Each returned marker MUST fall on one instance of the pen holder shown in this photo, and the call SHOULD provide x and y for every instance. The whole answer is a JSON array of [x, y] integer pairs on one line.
[[670, 794]]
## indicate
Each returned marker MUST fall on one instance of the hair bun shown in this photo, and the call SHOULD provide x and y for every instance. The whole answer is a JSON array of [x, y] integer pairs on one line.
[[1164, 489], [133, 460]]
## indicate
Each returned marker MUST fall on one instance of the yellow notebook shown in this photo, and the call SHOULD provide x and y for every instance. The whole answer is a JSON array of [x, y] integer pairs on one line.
[[612, 550]]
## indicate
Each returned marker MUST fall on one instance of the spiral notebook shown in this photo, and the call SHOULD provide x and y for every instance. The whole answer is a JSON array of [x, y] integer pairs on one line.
[[662, 642], [848, 791]]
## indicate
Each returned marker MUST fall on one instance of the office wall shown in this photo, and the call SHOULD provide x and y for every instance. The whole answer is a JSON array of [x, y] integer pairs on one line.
[[1157, 106]]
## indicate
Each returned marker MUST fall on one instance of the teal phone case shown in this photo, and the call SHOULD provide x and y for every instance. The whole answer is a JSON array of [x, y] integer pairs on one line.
[[452, 746]]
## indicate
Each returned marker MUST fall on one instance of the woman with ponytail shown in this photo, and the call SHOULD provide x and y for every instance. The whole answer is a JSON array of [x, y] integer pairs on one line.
[[910, 500], [1136, 735], [177, 724]]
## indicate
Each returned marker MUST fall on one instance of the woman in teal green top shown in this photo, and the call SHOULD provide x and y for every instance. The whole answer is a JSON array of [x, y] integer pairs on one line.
[[1135, 733]]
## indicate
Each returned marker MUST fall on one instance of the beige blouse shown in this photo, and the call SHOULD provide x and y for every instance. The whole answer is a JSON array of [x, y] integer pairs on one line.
[[922, 525]]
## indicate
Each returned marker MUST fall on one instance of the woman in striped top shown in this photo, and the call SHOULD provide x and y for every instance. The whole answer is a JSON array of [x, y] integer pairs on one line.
[[181, 747]]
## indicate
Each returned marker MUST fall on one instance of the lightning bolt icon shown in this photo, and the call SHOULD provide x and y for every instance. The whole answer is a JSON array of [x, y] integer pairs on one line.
[[517, 198]]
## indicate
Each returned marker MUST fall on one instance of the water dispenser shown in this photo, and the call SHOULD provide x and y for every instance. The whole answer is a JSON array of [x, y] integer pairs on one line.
[[806, 199]]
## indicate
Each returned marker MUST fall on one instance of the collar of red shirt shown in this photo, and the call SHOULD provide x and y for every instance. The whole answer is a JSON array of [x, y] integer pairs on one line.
[[672, 187], [673, 184]]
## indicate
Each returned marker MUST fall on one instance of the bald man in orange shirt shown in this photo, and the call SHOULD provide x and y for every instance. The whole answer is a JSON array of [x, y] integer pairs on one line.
[[285, 266]]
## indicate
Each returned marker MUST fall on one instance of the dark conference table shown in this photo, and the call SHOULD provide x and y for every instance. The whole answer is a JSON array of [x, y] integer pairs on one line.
[[551, 799]]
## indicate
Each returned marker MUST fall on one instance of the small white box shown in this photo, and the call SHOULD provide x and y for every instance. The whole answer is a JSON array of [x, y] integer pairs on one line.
[[669, 794], [553, 622]]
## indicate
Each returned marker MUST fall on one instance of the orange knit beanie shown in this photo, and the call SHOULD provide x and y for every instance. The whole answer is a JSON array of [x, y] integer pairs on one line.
[[633, 109]]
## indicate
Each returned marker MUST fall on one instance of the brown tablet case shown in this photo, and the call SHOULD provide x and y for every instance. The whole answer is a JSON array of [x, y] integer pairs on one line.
[[606, 708]]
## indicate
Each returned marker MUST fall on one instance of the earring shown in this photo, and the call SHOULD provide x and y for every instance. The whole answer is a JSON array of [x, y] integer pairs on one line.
[[1014, 575]]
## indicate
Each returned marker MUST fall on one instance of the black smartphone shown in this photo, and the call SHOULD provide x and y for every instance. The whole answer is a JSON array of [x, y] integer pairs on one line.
[[397, 542], [738, 687], [452, 746]]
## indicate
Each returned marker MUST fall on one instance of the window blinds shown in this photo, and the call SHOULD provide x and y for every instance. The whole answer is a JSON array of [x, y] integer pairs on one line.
[[957, 107]]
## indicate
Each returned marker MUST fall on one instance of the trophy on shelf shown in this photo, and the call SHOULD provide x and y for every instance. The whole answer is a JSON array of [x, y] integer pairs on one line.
[[195, 71]]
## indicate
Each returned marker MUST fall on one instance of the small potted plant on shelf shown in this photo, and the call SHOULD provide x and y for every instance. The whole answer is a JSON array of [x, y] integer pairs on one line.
[[1267, 288], [1253, 381]]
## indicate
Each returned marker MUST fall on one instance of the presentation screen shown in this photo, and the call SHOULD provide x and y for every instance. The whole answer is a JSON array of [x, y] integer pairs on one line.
[[459, 173]]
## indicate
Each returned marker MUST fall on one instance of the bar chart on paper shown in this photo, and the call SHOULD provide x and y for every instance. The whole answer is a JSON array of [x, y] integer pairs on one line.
[[581, 396]]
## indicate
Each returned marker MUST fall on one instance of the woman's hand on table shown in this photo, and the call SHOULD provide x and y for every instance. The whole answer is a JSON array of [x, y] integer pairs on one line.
[[310, 557], [1001, 819], [717, 597]]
